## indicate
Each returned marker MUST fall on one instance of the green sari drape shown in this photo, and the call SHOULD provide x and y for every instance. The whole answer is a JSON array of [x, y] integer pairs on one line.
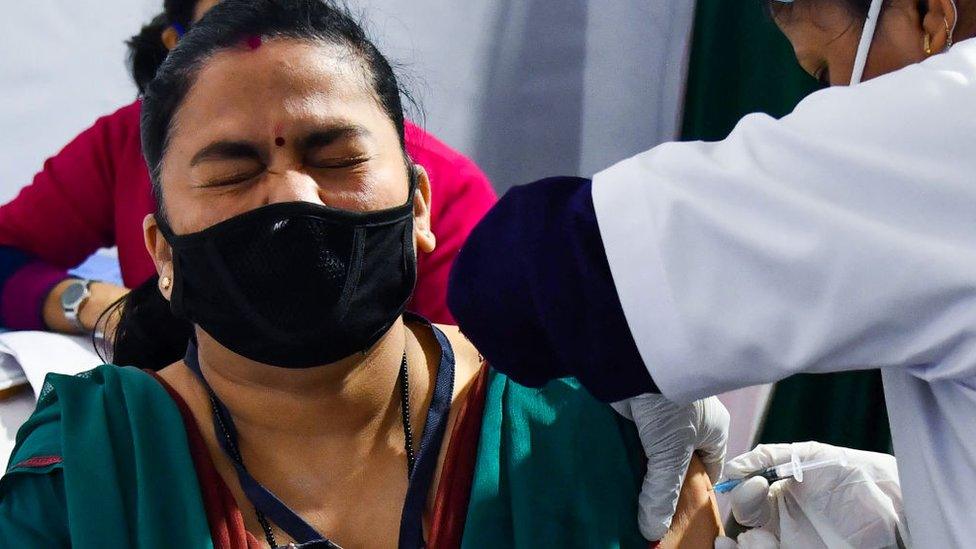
[[741, 63], [126, 478], [555, 468], [104, 462]]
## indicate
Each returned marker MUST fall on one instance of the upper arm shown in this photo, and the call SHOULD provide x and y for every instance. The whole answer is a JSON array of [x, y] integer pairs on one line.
[[56, 222], [66, 213], [696, 521], [33, 511]]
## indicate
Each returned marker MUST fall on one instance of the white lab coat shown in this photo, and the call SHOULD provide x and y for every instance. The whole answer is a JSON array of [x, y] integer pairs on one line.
[[841, 237]]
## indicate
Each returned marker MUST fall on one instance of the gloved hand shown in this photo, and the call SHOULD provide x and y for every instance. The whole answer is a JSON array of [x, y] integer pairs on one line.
[[856, 505], [670, 434]]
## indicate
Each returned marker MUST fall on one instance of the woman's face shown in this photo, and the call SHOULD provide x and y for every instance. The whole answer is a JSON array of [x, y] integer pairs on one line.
[[825, 36], [281, 121]]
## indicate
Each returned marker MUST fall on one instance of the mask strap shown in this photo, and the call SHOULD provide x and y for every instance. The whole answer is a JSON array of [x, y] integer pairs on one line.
[[414, 176], [179, 28], [867, 38], [955, 23], [164, 227]]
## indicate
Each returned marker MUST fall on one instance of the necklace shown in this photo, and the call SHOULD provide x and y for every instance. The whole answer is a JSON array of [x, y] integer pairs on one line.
[[403, 383], [421, 465]]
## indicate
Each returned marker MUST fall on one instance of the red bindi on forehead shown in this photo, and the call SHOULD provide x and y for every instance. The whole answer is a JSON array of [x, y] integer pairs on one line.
[[253, 42]]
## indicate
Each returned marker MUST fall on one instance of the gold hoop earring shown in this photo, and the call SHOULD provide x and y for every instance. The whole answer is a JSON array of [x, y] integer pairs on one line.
[[927, 44], [165, 283], [948, 32]]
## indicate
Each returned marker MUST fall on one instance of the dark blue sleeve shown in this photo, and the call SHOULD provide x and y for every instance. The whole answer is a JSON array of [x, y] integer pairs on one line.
[[533, 291], [11, 261], [24, 283]]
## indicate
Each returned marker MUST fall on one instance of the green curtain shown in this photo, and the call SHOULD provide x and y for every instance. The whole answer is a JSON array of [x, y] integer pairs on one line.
[[740, 63]]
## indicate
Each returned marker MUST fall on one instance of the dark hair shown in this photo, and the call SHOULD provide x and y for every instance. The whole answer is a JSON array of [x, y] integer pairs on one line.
[[148, 335], [856, 7], [146, 49], [230, 24]]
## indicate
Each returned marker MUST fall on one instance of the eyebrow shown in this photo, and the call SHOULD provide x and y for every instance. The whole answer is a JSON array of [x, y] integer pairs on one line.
[[324, 138], [226, 150], [233, 150]]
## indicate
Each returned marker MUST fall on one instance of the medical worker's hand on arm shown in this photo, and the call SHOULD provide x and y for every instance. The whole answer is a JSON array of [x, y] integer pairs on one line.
[[670, 434], [855, 503]]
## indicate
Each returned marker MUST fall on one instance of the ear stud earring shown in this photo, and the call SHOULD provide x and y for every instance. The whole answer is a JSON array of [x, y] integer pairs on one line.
[[165, 282]]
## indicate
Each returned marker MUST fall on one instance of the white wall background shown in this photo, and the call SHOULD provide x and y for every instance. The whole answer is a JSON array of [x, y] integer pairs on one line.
[[61, 66], [528, 88]]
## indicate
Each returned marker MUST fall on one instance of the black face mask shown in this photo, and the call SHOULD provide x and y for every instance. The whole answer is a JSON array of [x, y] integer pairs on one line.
[[296, 284]]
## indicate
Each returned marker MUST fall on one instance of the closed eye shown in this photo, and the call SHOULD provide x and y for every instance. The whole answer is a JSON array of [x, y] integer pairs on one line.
[[230, 180], [338, 163]]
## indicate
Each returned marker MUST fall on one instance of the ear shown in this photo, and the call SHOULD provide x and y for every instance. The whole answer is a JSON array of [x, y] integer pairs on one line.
[[939, 23], [423, 235], [170, 38], [160, 252]]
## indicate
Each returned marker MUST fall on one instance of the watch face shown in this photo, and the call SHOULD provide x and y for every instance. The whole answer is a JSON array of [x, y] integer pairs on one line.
[[73, 293]]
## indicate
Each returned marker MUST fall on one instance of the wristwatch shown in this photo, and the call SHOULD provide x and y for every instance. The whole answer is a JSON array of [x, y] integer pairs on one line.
[[72, 299]]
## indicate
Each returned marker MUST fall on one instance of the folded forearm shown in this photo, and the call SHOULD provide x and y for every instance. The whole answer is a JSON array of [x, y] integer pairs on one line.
[[103, 296]]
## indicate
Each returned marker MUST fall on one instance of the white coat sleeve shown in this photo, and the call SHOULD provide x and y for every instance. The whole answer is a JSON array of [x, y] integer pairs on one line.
[[841, 237]]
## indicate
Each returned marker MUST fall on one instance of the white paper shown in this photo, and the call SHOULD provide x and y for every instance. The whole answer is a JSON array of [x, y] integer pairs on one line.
[[11, 375], [14, 411], [41, 353]]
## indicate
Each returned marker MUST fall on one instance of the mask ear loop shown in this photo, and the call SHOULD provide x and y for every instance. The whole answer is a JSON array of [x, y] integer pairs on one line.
[[867, 38], [176, 295], [414, 176], [955, 22]]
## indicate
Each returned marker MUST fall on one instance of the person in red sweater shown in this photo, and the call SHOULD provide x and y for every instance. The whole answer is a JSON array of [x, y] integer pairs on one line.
[[96, 192]]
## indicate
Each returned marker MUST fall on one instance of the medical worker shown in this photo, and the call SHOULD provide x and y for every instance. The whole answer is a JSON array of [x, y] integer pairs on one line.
[[841, 237]]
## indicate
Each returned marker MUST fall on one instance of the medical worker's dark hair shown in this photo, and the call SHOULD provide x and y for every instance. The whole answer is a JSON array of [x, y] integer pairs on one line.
[[146, 49], [857, 8], [147, 334]]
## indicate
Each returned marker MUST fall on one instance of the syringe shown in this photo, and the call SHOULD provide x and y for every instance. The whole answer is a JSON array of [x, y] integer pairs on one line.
[[794, 469]]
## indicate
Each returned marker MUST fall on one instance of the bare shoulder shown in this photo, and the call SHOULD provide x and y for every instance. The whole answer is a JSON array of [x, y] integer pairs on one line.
[[468, 361], [182, 380], [176, 375]]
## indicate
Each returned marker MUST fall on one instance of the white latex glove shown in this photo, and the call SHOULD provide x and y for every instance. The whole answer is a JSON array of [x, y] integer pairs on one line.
[[670, 434], [856, 505]]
